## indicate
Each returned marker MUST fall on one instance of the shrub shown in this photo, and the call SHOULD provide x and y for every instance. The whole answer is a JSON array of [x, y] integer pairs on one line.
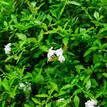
[[32, 27]]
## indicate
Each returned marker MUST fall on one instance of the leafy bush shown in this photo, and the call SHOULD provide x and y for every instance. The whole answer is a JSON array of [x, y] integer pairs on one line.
[[32, 27]]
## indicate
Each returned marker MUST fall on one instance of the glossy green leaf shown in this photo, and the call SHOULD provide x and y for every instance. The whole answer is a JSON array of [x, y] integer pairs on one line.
[[76, 101]]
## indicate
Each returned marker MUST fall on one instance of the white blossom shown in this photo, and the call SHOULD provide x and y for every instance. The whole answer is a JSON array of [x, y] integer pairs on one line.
[[58, 53], [91, 103], [61, 59], [7, 48], [25, 86], [28, 86], [21, 85], [50, 53]]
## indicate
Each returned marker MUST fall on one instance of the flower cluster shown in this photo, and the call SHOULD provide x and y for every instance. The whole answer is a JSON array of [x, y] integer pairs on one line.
[[58, 53], [7, 48], [25, 86], [91, 103]]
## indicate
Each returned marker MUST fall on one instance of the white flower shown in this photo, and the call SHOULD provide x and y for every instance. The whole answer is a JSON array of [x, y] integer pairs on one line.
[[28, 86], [58, 53], [50, 53], [21, 85], [61, 59], [7, 48], [60, 100], [25, 86], [90, 103]]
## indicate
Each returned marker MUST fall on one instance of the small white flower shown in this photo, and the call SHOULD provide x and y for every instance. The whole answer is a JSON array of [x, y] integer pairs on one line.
[[21, 85], [28, 86], [59, 52], [7, 48], [60, 100], [61, 59], [50, 53], [90, 103], [25, 86]]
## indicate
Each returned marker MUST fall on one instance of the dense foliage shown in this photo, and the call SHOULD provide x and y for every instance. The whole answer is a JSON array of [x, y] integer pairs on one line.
[[32, 27]]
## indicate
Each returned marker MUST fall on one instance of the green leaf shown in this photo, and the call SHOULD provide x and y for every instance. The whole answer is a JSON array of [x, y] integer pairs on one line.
[[3, 2], [79, 68], [76, 101], [65, 103], [96, 64], [90, 50], [77, 91], [105, 75], [102, 30], [27, 105], [13, 93], [65, 41], [49, 104], [45, 26], [104, 45], [54, 86], [5, 84], [0, 83], [96, 59], [99, 94], [96, 14], [44, 48], [13, 104], [88, 84], [42, 95], [36, 101], [94, 83], [21, 36], [62, 93], [87, 52], [86, 79], [33, 3], [75, 3], [66, 87], [76, 61], [3, 103], [40, 37]]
